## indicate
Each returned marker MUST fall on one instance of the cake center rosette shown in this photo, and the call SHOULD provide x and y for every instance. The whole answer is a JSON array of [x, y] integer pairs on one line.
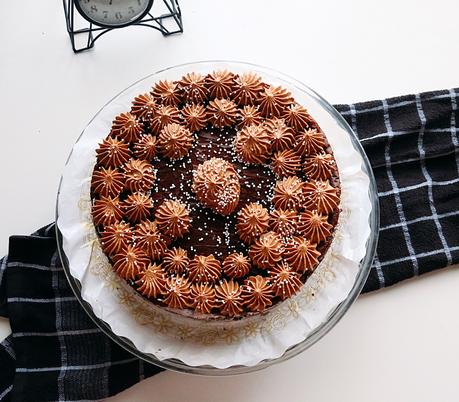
[[216, 185]]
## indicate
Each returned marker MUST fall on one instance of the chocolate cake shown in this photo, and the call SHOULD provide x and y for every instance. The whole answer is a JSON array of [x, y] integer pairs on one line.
[[215, 196]]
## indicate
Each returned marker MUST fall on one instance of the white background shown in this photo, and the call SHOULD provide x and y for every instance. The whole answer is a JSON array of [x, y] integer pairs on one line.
[[399, 344]]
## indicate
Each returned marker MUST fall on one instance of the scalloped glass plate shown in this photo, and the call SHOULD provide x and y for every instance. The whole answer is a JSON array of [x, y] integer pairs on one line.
[[327, 113]]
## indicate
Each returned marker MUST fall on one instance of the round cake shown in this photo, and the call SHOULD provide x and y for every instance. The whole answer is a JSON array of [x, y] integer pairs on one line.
[[215, 196]]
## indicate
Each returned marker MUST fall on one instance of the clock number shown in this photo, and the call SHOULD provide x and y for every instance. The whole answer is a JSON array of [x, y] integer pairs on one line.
[[118, 16], [139, 2], [93, 9], [131, 10], [110, 2], [105, 14]]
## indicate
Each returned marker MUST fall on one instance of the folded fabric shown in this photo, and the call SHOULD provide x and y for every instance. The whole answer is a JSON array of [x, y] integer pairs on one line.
[[413, 147], [57, 353]]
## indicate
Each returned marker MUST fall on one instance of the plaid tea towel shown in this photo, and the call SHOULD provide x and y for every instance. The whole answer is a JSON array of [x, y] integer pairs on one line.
[[57, 353], [413, 147]]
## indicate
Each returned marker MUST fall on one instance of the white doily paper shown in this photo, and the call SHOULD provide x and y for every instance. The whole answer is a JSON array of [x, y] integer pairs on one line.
[[167, 335]]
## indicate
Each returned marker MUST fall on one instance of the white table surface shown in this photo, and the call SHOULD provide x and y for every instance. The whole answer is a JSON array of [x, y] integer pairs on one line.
[[399, 344]]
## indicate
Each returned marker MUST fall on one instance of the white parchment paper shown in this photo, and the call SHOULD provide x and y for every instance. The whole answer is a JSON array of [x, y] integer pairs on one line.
[[167, 335]]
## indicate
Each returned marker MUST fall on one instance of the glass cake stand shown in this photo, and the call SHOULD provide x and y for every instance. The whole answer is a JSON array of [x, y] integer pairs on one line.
[[364, 267]]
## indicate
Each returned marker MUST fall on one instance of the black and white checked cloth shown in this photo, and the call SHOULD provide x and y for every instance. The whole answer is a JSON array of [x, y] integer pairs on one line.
[[57, 353], [413, 145]]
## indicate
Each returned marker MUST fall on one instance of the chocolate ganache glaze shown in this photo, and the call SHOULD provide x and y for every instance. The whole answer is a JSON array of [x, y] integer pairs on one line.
[[192, 220]]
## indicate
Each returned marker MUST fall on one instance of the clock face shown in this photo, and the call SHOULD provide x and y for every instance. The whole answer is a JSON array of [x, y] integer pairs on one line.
[[113, 13]]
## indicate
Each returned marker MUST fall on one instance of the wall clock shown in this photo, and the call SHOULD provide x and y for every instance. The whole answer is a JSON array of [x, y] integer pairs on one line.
[[106, 15]]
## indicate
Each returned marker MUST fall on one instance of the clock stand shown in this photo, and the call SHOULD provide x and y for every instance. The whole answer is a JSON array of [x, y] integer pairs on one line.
[[167, 23]]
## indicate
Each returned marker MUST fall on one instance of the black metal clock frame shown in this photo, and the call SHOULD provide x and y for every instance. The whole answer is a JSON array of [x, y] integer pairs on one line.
[[95, 31]]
